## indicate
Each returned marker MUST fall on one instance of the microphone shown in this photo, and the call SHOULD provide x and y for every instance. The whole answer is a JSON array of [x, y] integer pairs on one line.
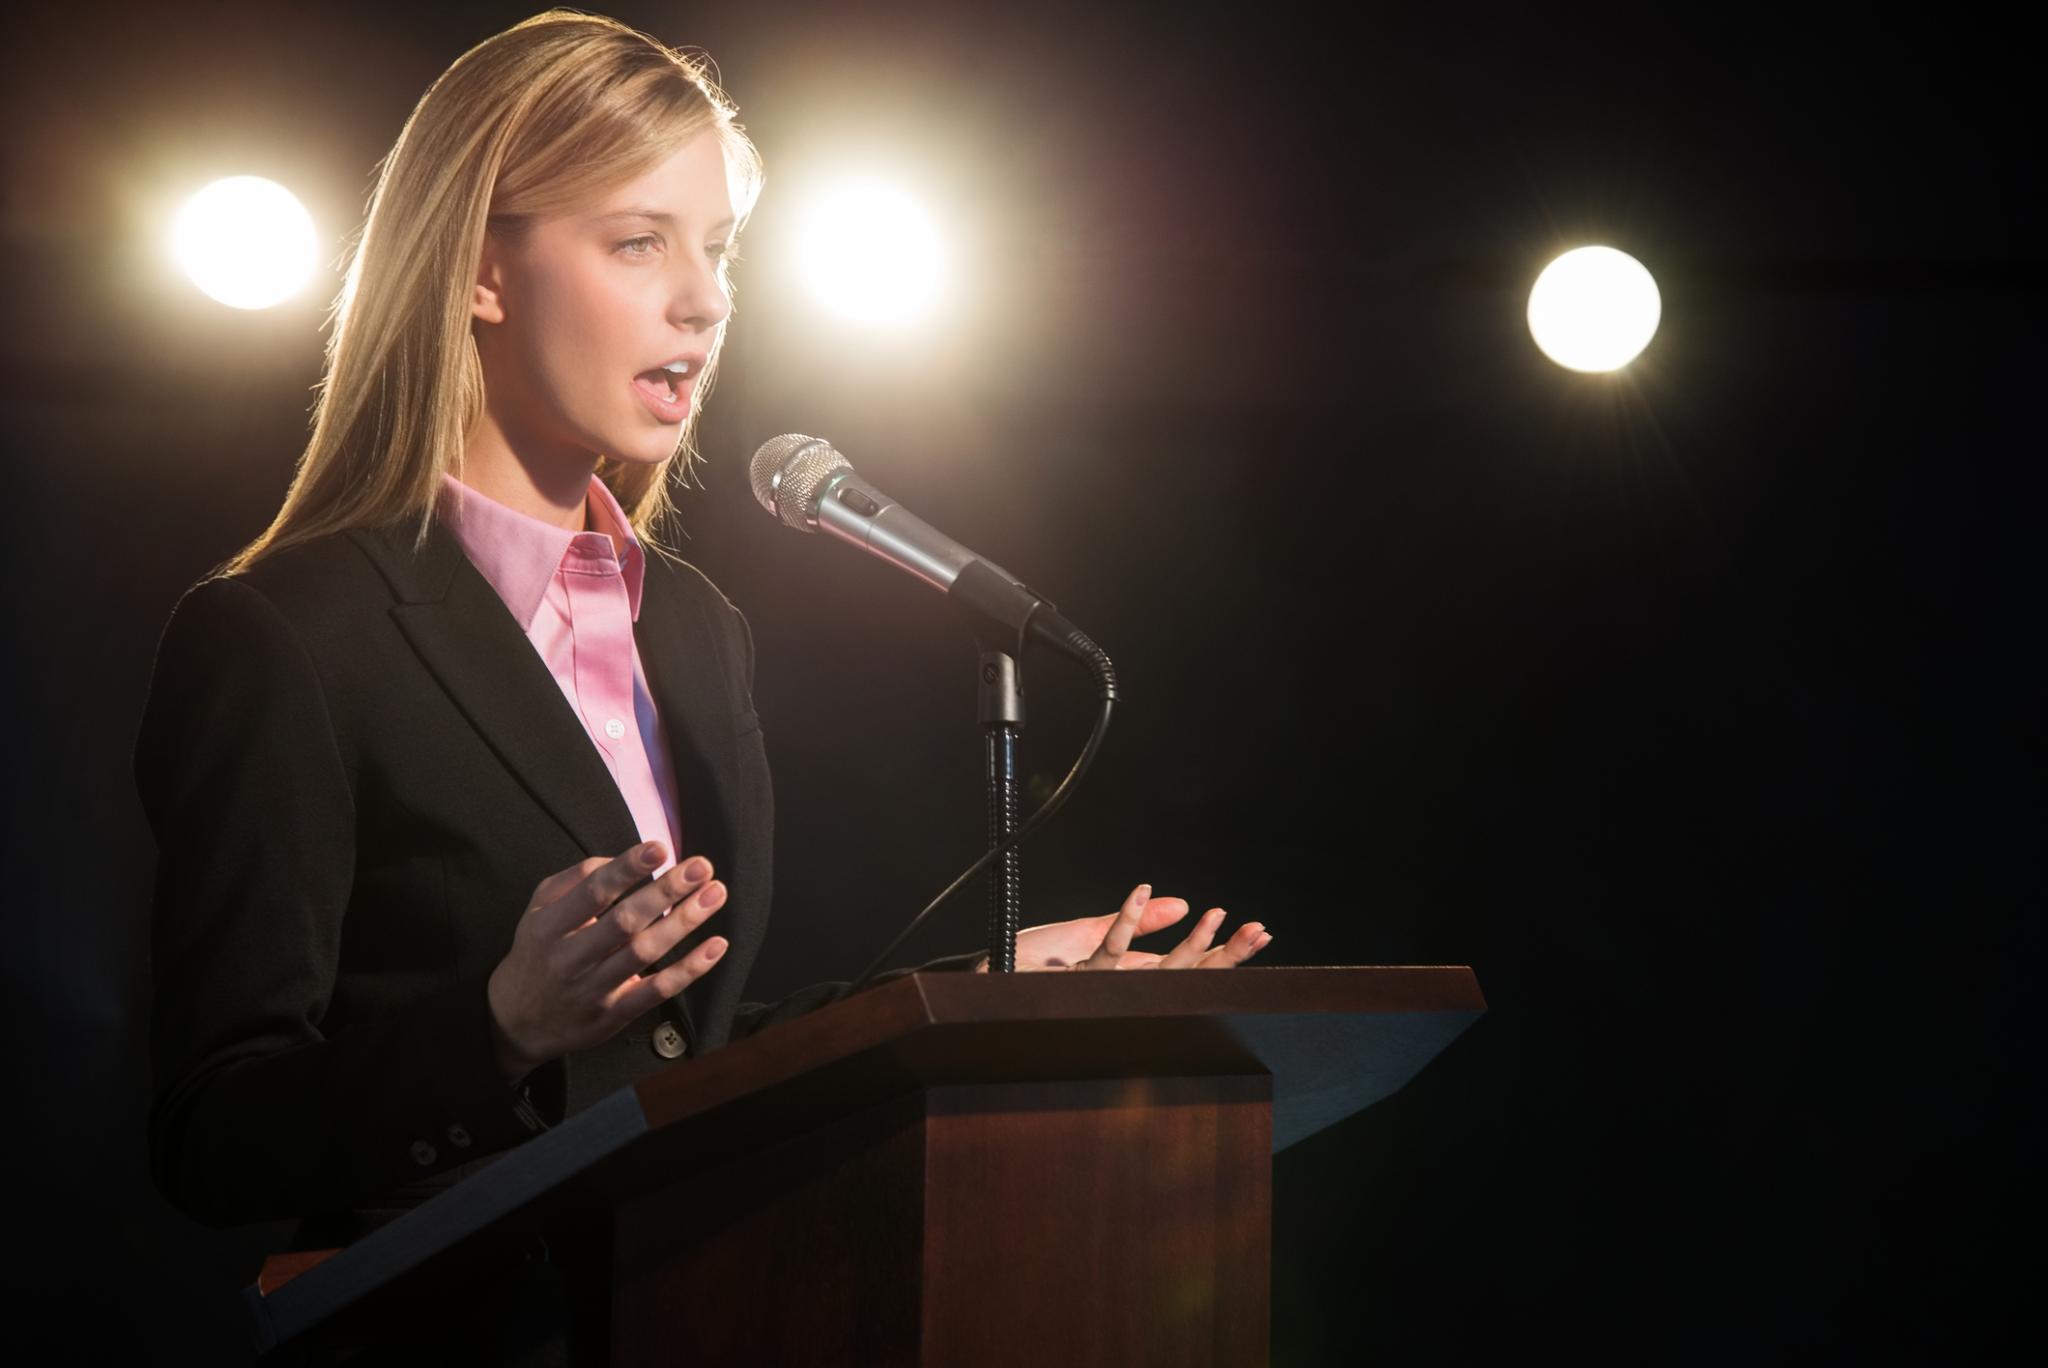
[[808, 485]]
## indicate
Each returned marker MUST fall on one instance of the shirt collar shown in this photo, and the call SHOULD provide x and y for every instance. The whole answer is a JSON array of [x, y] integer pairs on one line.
[[519, 554]]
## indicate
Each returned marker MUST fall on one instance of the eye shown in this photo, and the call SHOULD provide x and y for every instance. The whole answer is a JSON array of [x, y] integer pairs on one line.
[[647, 240]]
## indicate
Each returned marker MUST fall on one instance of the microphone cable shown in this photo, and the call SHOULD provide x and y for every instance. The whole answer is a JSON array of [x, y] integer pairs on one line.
[[1099, 665]]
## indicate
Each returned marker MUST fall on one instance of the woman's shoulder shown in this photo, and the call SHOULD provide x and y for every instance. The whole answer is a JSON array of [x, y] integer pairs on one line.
[[690, 583], [318, 588], [309, 618], [314, 571], [684, 573]]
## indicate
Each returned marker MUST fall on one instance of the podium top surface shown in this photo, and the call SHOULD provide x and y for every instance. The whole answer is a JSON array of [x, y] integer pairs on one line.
[[1310, 1028]]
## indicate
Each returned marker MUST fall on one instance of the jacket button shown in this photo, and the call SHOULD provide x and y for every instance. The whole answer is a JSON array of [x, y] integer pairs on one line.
[[458, 1137], [423, 1153], [668, 1041]]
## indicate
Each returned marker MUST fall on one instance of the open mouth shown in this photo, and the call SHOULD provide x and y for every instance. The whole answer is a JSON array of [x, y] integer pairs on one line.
[[662, 383], [666, 388]]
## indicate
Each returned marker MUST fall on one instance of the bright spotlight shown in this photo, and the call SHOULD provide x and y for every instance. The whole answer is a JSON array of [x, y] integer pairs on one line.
[[1594, 309], [245, 241], [871, 254]]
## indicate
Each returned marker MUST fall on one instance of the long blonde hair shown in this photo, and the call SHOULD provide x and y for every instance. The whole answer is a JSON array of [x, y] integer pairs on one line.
[[525, 124]]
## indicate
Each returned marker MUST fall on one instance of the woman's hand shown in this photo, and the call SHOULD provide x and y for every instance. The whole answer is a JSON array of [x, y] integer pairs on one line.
[[572, 979], [1105, 942]]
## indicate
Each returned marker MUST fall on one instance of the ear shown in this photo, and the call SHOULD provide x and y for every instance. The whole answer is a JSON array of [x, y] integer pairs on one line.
[[487, 296]]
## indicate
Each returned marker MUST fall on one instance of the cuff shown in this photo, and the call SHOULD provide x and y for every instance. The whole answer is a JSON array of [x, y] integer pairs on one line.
[[471, 1112]]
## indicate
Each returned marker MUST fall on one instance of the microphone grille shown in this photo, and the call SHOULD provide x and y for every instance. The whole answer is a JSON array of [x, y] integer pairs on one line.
[[803, 463]]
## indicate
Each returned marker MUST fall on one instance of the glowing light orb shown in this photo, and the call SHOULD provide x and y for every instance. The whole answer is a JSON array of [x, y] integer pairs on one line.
[[871, 254], [245, 241], [1594, 309]]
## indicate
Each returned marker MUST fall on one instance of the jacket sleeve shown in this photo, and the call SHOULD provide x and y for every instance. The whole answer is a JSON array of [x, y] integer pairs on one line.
[[257, 1113]]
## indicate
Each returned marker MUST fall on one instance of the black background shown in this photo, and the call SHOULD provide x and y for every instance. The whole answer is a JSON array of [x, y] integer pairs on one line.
[[1686, 705]]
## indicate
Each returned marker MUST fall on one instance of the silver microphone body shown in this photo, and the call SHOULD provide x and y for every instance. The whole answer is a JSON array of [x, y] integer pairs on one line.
[[811, 487], [856, 512], [808, 485]]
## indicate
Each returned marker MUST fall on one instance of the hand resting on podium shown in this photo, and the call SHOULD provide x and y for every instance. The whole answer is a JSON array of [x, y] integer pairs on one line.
[[1105, 942]]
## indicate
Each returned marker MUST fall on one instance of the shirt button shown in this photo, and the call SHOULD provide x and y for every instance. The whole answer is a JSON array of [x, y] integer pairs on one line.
[[614, 728], [423, 1153], [458, 1137], [668, 1041]]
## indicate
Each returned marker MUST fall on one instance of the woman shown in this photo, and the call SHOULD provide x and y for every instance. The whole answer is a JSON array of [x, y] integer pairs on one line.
[[411, 908]]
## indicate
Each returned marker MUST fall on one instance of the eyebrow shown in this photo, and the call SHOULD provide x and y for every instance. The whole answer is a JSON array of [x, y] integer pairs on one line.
[[665, 219]]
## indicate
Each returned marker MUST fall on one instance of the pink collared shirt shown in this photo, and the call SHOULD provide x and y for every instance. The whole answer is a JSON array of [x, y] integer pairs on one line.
[[577, 595]]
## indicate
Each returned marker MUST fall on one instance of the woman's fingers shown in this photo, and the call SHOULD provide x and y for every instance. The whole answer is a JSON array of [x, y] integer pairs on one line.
[[555, 887], [638, 995], [1111, 952], [647, 946], [613, 928], [1251, 938], [1189, 951], [572, 897], [1194, 951]]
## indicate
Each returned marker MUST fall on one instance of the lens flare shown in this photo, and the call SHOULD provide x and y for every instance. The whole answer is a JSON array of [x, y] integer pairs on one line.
[[245, 241], [1594, 309], [871, 254]]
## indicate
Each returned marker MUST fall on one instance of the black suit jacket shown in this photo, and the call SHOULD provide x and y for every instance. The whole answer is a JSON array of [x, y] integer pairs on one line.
[[357, 769]]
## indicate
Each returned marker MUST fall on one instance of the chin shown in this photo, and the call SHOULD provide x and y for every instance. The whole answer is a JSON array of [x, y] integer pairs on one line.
[[647, 455], [638, 445]]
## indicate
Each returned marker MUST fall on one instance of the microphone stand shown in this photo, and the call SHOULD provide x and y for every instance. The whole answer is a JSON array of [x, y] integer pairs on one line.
[[1000, 710]]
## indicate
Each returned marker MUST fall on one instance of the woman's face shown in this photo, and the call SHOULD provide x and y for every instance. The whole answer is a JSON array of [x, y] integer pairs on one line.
[[594, 329]]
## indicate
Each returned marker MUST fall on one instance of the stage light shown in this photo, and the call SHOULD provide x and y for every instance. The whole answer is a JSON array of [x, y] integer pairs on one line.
[[871, 254], [245, 241], [1594, 309]]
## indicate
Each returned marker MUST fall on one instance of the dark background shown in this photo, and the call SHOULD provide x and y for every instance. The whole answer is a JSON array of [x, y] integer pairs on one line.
[[1686, 705]]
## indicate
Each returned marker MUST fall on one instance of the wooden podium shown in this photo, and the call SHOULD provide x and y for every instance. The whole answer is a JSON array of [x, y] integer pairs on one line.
[[918, 1173]]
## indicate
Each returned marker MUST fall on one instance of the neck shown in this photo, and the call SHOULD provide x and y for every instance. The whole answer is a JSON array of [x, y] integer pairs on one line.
[[541, 480]]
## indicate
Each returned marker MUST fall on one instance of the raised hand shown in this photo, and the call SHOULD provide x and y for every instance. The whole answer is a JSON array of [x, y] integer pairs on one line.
[[572, 978]]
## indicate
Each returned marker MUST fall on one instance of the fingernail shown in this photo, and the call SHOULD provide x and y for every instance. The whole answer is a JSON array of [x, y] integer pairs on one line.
[[711, 897], [650, 854], [1143, 895], [1264, 939], [713, 951], [697, 870]]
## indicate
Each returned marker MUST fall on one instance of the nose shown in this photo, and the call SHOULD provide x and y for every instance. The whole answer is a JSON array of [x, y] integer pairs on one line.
[[700, 302]]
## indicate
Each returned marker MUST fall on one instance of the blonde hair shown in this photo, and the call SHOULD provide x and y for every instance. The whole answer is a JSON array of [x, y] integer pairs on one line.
[[525, 124]]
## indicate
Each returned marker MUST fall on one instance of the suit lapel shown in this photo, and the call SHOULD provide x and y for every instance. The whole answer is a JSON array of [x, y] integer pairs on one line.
[[678, 650], [473, 645]]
